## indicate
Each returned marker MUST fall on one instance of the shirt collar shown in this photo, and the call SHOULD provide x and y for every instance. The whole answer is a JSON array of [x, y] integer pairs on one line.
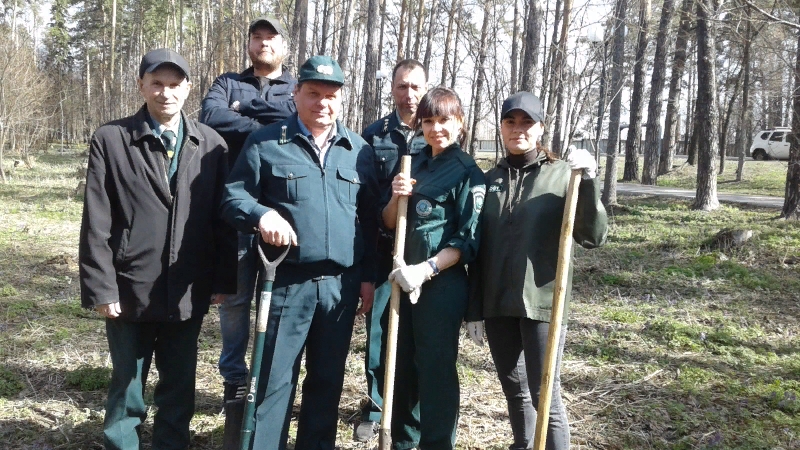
[[307, 133], [159, 128]]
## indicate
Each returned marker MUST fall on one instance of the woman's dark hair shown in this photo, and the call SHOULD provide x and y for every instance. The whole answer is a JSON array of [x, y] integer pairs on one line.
[[548, 155], [441, 101]]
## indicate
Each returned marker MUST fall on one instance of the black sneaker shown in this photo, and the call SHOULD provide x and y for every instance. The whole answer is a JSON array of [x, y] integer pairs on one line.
[[366, 431], [233, 393]]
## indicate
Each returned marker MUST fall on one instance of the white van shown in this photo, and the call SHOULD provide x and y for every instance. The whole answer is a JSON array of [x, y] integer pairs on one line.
[[771, 144]]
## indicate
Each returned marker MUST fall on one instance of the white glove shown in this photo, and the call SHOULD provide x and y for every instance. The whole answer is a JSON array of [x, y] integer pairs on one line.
[[581, 159], [275, 230], [475, 331], [410, 278]]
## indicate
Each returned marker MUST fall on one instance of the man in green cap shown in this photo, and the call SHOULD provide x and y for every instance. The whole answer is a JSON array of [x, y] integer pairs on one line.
[[308, 182]]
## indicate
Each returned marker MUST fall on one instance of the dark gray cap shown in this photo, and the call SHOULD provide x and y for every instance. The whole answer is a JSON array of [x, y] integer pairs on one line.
[[267, 20], [155, 58], [525, 102]]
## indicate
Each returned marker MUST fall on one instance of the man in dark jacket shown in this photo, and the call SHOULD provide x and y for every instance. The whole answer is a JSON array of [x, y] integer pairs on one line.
[[153, 250], [391, 137], [308, 181], [236, 105]]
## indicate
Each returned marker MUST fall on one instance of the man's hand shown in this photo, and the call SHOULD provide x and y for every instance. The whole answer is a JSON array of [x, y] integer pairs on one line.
[[110, 310], [218, 299], [275, 230], [367, 297]]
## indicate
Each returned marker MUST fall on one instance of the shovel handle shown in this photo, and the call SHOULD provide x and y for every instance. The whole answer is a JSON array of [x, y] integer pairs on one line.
[[385, 436], [264, 301], [556, 314]]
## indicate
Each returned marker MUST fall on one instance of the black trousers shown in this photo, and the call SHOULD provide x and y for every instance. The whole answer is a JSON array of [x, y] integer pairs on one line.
[[518, 347]]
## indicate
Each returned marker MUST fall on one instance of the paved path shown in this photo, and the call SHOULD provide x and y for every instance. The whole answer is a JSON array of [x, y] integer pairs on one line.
[[753, 200]]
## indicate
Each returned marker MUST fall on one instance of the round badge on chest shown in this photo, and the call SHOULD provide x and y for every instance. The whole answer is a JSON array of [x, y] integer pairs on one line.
[[424, 208]]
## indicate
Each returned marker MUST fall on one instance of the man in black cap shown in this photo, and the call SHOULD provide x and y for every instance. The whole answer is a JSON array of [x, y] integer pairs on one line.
[[153, 251], [236, 105], [308, 181]]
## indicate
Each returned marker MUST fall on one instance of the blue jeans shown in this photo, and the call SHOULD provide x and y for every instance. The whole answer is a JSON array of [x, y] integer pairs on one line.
[[234, 313]]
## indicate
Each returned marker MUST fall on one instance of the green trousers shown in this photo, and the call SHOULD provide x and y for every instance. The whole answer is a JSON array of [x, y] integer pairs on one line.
[[132, 346], [314, 314], [377, 325], [425, 413]]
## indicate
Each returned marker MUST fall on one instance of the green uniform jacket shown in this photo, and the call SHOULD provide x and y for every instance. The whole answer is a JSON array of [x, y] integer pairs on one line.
[[333, 209], [445, 205], [514, 273]]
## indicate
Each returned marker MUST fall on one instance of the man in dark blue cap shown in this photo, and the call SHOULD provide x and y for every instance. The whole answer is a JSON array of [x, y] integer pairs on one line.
[[308, 181], [154, 251], [236, 105]]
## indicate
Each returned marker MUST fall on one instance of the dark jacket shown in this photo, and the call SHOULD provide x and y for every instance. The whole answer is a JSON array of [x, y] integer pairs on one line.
[[445, 205], [161, 256], [514, 273], [333, 209], [258, 106]]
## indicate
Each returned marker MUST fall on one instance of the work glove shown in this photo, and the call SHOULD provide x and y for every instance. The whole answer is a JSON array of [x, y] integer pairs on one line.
[[581, 159], [275, 230], [410, 278], [475, 331]]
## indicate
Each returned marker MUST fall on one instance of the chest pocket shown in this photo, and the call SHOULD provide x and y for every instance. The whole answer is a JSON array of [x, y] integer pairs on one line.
[[348, 183], [278, 94], [430, 204], [290, 182], [385, 160]]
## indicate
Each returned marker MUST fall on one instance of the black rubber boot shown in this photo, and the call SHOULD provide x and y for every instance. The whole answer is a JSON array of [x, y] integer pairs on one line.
[[234, 414]]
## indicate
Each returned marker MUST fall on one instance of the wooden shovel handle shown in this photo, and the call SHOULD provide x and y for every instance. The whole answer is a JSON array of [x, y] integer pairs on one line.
[[559, 294], [385, 437]]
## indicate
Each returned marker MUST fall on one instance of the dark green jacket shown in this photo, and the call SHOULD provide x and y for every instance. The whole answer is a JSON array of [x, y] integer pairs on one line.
[[445, 205], [514, 273], [333, 210]]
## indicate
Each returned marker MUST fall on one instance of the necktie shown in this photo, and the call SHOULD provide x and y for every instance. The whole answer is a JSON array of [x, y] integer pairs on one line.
[[169, 140]]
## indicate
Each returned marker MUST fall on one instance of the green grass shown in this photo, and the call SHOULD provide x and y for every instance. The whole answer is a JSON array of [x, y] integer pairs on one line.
[[671, 344]]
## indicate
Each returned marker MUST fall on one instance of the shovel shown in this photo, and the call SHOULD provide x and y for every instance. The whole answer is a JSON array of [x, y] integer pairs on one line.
[[559, 293], [249, 421], [385, 436]]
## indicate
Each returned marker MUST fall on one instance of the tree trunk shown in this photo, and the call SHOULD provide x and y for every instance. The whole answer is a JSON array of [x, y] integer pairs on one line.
[[723, 129], [453, 70], [744, 114], [631, 172], [401, 33], [617, 60], [549, 78], [533, 29], [299, 30], [559, 53], [420, 20], [791, 201], [707, 115], [448, 40], [653, 134], [323, 38], [514, 48], [370, 92], [479, 68], [675, 85], [426, 62], [344, 35]]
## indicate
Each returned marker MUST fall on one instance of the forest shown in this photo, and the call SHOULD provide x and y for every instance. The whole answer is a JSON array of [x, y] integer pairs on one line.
[[647, 79]]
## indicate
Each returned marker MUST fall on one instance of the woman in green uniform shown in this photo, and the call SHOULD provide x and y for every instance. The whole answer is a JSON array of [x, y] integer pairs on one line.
[[513, 276], [446, 191]]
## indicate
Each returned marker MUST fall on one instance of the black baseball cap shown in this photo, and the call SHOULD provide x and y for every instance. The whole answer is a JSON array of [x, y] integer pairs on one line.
[[267, 20], [155, 58], [525, 102], [321, 68]]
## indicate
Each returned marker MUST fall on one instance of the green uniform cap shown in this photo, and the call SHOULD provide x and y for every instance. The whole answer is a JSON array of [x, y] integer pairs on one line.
[[321, 68]]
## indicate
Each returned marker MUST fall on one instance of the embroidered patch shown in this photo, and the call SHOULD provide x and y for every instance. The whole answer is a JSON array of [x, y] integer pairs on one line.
[[496, 188], [424, 208], [325, 69], [478, 193]]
